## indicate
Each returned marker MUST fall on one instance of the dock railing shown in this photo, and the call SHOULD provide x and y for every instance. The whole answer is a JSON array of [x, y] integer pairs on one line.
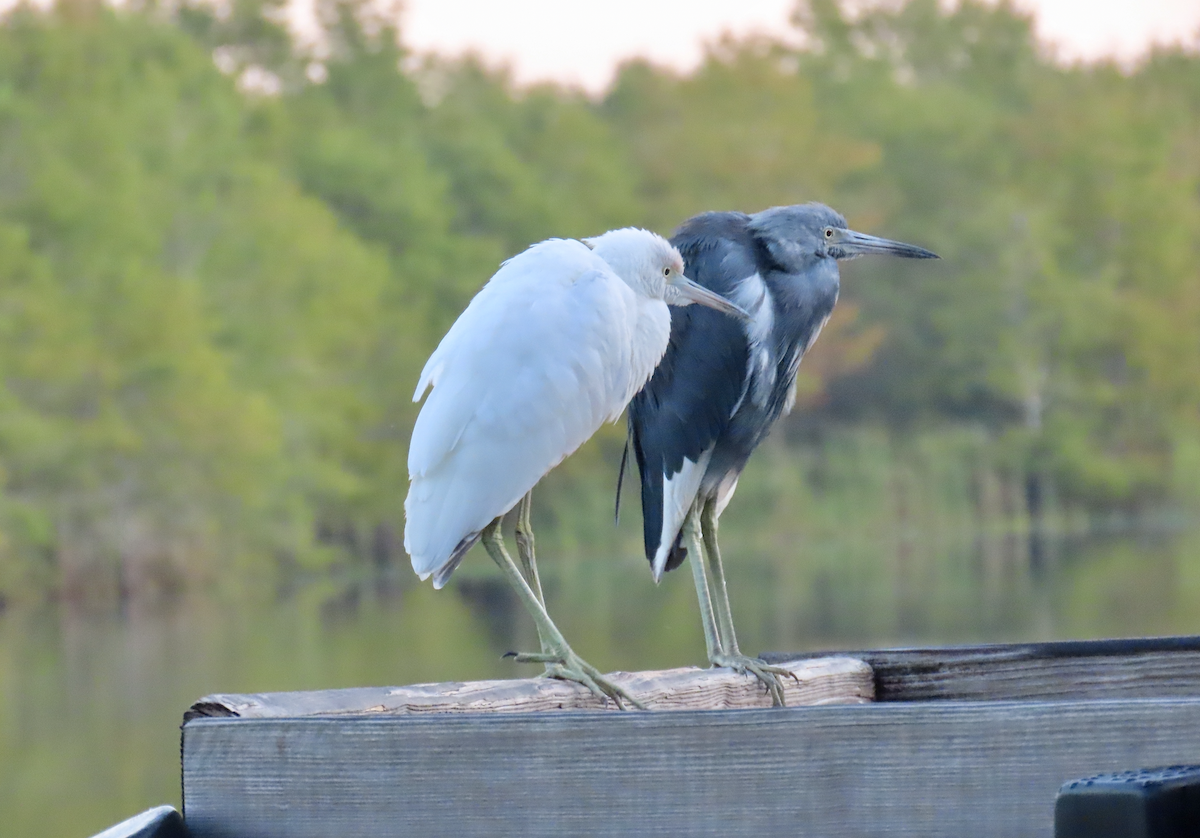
[[959, 742]]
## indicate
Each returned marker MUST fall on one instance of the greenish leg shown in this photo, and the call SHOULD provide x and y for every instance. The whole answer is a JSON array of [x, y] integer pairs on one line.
[[730, 655], [524, 536], [720, 594], [560, 659], [691, 540]]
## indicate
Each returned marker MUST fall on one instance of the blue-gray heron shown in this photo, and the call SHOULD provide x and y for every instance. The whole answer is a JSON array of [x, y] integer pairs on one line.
[[724, 382]]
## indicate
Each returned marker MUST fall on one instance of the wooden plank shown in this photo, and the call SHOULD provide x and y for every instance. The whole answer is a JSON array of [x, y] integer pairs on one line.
[[836, 680], [908, 768], [1137, 667]]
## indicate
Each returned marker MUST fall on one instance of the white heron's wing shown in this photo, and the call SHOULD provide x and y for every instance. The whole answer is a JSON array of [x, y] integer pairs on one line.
[[553, 260], [537, 362], [519, 322]]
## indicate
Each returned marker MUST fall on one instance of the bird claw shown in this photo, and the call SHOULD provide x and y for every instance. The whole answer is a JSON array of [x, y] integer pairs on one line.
[[760, 669], [533, 657], [568, 666]]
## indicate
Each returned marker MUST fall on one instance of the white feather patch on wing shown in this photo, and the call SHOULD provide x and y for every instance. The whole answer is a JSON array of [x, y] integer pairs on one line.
[[816, 334], [754, 297], [794, 366], [725, 492], [679, 493]]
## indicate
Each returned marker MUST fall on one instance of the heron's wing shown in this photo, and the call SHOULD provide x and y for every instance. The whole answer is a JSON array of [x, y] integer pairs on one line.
[[504, 312], [533, 367], [678, 416], [552, 261]]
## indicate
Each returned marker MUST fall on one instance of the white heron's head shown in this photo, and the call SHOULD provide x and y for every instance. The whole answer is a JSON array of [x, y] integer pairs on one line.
[[653, 268]]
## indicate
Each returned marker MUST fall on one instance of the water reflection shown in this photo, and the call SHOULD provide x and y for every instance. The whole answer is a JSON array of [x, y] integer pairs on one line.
[[90, 702], [495, 606]]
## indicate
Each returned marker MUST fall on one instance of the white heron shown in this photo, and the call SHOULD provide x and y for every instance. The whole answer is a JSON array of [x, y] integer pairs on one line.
[[553, 346]]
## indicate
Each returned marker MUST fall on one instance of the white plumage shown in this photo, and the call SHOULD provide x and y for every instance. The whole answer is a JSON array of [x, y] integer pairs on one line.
[[555, 344], [679, 493]]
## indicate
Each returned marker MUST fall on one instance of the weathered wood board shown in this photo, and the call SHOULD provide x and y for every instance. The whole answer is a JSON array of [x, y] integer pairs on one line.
[[1077, 669], [829, 680], [945, 768]]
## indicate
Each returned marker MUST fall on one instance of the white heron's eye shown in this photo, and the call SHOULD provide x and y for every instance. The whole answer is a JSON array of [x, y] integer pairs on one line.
[[666, 271]]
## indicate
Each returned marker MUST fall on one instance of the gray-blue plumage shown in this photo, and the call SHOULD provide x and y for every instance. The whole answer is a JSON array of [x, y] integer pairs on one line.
[[724, 382]]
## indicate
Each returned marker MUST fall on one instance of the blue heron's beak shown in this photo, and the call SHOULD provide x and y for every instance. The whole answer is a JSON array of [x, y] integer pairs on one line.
[[681, 291], [846, 244]]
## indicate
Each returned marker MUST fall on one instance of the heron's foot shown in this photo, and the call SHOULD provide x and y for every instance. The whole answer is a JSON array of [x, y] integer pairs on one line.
[[568, 666], [763, 671]]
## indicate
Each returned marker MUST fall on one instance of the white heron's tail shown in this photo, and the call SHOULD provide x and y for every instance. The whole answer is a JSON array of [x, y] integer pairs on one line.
[[444, 516], [434, 544]]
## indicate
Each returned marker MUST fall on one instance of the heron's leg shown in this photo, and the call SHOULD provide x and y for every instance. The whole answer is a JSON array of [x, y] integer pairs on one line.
[[560, 659], [720, 594], [493, 542], [524, 536], [730, 655], [691, 539]]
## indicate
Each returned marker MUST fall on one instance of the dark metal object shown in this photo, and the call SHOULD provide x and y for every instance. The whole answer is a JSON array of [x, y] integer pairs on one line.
[[159, 822], [1148, 803]]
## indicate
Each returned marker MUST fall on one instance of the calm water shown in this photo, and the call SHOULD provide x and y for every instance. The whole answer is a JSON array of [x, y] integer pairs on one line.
[[90, 703]]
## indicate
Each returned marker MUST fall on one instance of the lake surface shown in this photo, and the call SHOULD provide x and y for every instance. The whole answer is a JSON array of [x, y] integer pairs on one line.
[[90, 702]]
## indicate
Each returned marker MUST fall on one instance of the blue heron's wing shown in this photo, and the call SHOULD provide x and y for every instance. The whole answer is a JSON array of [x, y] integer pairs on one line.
[[675, 421]]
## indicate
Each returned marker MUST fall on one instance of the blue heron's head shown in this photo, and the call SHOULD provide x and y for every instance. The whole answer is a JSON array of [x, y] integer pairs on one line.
[[799, 235]]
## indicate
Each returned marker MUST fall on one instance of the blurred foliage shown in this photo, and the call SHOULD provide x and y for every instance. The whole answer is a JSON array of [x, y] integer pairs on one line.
[[224, 256]]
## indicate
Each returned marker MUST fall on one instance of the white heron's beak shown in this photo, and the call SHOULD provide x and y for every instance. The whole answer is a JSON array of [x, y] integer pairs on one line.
[[681, 291]]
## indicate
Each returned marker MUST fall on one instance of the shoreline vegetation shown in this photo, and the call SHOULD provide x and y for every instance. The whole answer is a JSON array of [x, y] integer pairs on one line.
[[225, 256]]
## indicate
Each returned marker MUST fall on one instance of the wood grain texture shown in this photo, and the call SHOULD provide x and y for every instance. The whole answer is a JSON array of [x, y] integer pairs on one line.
[[909, 769], [1127, 668], [835, 680]]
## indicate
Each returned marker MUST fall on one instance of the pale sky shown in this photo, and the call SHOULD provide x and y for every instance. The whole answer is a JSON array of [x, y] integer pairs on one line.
[[582, 43]]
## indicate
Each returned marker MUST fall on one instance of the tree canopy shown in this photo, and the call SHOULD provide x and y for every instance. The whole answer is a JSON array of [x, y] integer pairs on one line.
[[225, 255]]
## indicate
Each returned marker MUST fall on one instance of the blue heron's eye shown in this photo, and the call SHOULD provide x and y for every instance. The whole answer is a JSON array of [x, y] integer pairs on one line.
[[829, 232]]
